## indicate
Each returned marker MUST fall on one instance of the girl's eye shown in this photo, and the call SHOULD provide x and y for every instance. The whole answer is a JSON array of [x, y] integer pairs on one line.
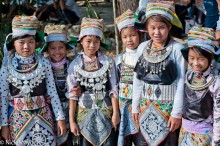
[[202, 58], [21, 42]]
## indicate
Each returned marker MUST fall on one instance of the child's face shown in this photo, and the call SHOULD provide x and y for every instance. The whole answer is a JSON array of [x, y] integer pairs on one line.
[[25, 47], [90, 45], [130, 38], [197, 61], [57, 51], [158, 31]]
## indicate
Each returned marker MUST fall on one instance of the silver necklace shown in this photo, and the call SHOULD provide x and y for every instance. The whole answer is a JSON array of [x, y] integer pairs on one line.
[[96, 79], [199, 87], [158, 62], [26, 82]]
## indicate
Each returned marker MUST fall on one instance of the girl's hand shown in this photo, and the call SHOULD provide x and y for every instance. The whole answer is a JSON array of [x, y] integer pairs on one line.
[[174, 123], [74, 128], [61, 127], [115, 120], [217, 36], [76, 91], [48, 100], [135, 117], [5, 132]]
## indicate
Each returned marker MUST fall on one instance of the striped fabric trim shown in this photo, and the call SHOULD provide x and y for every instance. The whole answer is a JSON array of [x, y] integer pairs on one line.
[[56, 37], [156, 12], [126, 23], [90, 31], [21, 32]]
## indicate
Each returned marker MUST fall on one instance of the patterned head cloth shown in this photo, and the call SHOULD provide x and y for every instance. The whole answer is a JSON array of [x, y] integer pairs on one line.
[[203, 38], [125, 20], [55, 33], [90, 26], [24, 25], [165, 9]]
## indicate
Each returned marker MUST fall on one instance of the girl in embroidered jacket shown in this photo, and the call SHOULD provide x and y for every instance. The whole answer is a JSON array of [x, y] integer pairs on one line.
[[26, 79], [97, 114], [125, 63], [158, 79], [57, 46], [201, 112]]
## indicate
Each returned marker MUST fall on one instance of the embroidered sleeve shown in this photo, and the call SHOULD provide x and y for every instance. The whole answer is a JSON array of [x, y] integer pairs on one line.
[[71, 81], [216, 111], [138, 88], [113, 82], [51, 91], [180, 65], [4, 93]]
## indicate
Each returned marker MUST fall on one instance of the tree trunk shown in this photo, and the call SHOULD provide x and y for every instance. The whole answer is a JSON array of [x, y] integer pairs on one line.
[[124, 5]]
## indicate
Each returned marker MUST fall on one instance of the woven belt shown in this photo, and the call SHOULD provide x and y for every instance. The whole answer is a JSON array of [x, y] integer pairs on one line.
[[31, 103], [159, 92]]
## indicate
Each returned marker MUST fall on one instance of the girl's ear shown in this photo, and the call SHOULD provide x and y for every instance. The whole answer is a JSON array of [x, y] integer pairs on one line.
[[170, 27]]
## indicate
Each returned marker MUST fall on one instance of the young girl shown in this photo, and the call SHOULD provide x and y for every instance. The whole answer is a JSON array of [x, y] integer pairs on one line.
[[56, 46], [202, 91], [26, 80], [158, 80], [97, 111], [125, 63]]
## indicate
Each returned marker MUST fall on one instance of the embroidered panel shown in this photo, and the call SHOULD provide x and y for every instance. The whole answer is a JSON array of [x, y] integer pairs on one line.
[[91, 65], [125, 90], [17, 120], [194, 139], [164, 107], [159, 92], [31, 103], [126, 75], [90, 101], [153, 125], [96, 128], [35, 128]]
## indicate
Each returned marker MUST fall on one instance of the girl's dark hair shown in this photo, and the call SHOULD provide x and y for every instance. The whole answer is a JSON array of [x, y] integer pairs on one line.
[[204, 53], [158, 18], [89, 35]]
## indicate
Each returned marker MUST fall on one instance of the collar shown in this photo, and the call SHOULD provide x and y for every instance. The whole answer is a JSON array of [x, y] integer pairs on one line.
[[58, 64], [205, 73], [131, 51], [24, 60], [87, 58]]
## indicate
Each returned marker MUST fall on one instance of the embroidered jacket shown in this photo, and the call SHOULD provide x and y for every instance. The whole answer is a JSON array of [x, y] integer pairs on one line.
[[176, 75], [103, 59], [203, 106], [129, 57], [10, 91]]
